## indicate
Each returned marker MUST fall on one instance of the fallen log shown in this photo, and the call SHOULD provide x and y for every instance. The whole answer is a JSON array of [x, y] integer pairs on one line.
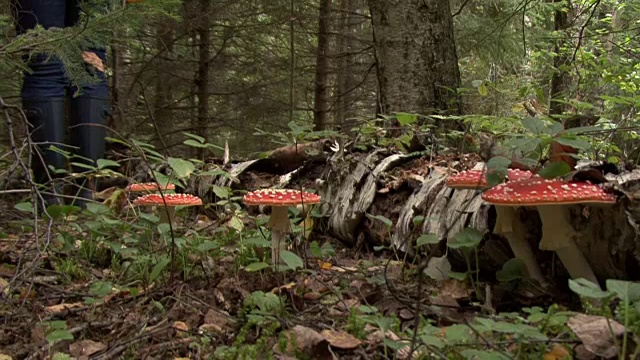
[[407, 188]]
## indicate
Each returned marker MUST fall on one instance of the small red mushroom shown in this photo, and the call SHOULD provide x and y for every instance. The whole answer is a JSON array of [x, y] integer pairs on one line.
[[279, 200], [551, 198], [170, 201], [507, 223], [149, 187], [476, 179]]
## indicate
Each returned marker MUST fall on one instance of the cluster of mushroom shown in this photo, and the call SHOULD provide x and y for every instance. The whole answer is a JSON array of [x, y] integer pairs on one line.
[[155, 196], [280, 200], [552, 199]]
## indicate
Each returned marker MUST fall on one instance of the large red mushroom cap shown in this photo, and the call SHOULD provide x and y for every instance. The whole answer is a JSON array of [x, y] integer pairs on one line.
[[476, 179], [171, 200], [151, 186], [280, 197], [538, 191]]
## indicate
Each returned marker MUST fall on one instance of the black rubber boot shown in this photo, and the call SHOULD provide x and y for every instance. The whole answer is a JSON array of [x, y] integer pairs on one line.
[[88, 121], [47, 118]]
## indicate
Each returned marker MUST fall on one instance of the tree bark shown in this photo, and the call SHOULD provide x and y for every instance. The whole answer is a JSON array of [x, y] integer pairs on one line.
[[560, 80], [322, 67], [202, 79], [417, 63], [164, 91]]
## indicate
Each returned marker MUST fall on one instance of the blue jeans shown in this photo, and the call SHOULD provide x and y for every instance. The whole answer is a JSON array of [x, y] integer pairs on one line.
[[45, 77]]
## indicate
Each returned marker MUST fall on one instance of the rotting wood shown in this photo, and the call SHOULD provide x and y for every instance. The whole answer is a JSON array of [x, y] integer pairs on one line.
[[349, 189]]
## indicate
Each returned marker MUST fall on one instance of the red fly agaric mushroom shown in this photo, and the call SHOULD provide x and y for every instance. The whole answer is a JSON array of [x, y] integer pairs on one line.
[[507, 224], [149, 187], [551, 198], [476, 179], [279, 200], [171, 200]]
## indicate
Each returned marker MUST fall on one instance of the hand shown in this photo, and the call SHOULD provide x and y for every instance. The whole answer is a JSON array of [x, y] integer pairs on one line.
[[93, 59]]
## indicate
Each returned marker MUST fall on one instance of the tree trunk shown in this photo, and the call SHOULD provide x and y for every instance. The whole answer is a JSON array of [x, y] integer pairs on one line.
[[417, 64], [341, 63], [322, 67], [164, 91], [561, 79], [202, 79]]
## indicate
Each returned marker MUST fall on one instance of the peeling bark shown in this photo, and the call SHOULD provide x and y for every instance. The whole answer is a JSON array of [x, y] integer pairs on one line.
[[401, 188]]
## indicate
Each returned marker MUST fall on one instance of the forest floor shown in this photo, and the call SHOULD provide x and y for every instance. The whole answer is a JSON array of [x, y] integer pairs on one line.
[[74, 301]]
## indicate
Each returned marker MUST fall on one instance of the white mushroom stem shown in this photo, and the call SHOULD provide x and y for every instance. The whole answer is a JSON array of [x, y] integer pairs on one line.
[[508, 225], [558, 235], [280, 227], [167, 214]]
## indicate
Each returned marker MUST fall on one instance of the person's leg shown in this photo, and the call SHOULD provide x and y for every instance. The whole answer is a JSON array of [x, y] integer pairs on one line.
[[89, 113], [43, 88]]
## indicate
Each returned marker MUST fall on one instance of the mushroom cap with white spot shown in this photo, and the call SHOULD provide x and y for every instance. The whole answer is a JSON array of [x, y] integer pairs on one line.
[[476, 179], [280, 197], [539, 191], [170, 199]]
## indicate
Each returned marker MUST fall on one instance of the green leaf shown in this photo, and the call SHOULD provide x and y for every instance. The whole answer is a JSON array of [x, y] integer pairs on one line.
[[477, 83], [118, 141], [625, 290], [83, 165], [195, 144], [97, 208], [386, 221], [159, 267], [406, 119], [256, 266], [535, 125], [555, 170], [431, 340], [473, 354], [574, 143], [101, 288], [468, 238], [182, 168], [208, 245], [425, 239], [60, 356], [236, 224], [104, 163], [587, 289], [438, 268], [200, 139], [24, 207], [513, 269], [221, 192], [458, 334], [482, 90], [497, 169], [292, 260], [461, 276], [418, 220], [554, 129], [59, 335]]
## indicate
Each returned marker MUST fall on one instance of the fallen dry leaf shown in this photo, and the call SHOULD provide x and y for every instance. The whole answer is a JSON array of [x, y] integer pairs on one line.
[[85, 348], [324, 265], [180, 326], [454, 288], [308, 341], [595, 333], [62, 307], [341, 339], [557, 352], [5, 357], [4, 287], [215, 321]]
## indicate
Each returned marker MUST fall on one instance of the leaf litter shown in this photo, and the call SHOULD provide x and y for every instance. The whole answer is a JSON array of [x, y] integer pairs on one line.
[[342, 307]]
